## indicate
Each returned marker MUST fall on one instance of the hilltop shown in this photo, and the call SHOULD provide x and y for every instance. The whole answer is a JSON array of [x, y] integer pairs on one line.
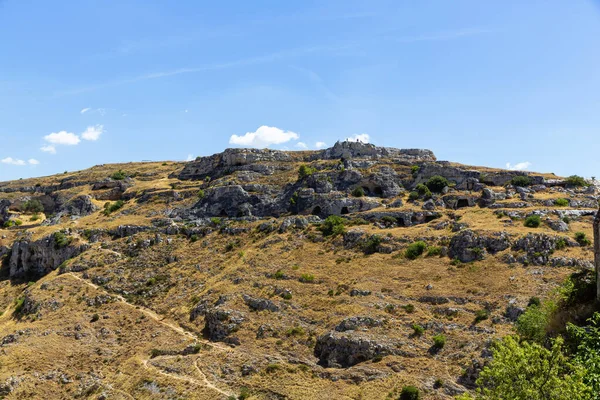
[[276, 274]]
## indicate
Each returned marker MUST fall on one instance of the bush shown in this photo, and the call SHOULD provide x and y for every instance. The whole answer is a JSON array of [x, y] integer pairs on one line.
[[575, 180], [437, 183], [418, 330], [561, 202], [112, 207], [581, 238], [587, 350], [358, 192], [216, 221], [372, 244], [409, 393], [415, 249], [434, 251], [18, 222], [307, 278], [409, 308], [333, 225], [521, 180], [412, 196], [524, 371], [194, 238], [533, 221], [439, 341], [119, 175], [423, 191], [61, 240], [481, 315], [305, 171], [414, 170], [531, 325], [201, 194], [95, 318], [33, 206]]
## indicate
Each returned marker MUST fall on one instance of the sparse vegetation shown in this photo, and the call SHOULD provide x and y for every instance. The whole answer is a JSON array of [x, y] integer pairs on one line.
[[439, 341], [415, 249], [576, 181], [521, 181], [561, 202], [333, 226], [582, 239], [437, 183], [410, 393], [533, 221], [119, 175], [358, 192], [305, 171]]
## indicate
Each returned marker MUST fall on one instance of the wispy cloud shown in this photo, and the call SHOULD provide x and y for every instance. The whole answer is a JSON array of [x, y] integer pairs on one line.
[[12, 161], [84, 110], [48, 149], [33, 161], [362, 137], [522, 166], [208, 67], [301, 145], [442, 36], [320, 145]]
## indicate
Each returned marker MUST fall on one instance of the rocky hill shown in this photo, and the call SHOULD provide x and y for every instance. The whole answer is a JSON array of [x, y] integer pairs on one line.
[[345, 273]]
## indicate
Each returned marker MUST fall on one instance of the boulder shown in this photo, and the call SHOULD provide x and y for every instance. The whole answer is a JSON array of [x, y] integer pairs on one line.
[[345, 349], [356, 323], [468, 246]]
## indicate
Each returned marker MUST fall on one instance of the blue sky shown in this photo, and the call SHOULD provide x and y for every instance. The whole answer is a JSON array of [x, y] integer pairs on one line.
[[482, 83]]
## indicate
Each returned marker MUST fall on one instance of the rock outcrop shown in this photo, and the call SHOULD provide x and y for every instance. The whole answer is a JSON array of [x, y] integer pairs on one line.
[[597, 253], [342, 350]]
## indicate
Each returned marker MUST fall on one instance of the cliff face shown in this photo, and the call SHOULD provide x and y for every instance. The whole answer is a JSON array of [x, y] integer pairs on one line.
[[34, 259]]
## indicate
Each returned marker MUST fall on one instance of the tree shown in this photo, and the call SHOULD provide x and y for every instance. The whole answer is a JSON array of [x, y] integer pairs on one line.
[[528, 371], [587, 353]]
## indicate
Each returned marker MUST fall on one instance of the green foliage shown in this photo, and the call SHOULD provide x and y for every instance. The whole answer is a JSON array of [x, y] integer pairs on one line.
[[110, 208], [216, 221], [439, 341], [481, 315], [201, 194], [305, 171], [332, 226], [414, 250], [414, 170], [437, 183], [586, 343], [119, 175], [528, 371], [61, 240], [372, 244], [295, 331], [19, 302], [581, 238], [533, 221], [194, 238], [33, 206], [409, 393], [434, 251], [18, 222], [358, 192], [95, 318], [520, 180], [418, 330], [412, 196], [561, 202], [35, 217], [271, 368], [560, 244], [423, 191], [532, 324], [307, 278], [409, 308], [575, 180], [279, 274]]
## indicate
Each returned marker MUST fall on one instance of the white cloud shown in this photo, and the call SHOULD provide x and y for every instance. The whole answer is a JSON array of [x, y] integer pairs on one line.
[[189, 158], [264, 137], [519, 166], [48, 149], [301, 145], [62, 137], [33, 161], [12, 161], [92, 132], [363, 137], [84, 110], [320, 145]]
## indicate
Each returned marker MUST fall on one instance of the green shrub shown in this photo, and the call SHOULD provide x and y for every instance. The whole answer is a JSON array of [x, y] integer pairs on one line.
[[61, 240], [201, 194], [531, 325], [18, 222], [194, 238], [434, 251], [358, 192], [437, 183], [372, 244], [216, 221], [412, 196], [307, 278], [582, 239], [423, 191], [561, 202], [534, 301], [332, 226], [409, 308], [414, 250], [410, 393], [418, 330], [439, 341], [119, 175], [33, 206], [35, 217], [414, 170], [279, 274], [271, 368], [586, 344], [95, 318], [112, 207], [481, 315], [528, 371], [19, 302], [560, 244], [533, 221], [575, 180], [520, 180], [305, 171]]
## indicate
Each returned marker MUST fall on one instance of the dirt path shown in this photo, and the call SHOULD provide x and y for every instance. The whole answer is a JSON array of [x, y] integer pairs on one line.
[[156, 317]]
